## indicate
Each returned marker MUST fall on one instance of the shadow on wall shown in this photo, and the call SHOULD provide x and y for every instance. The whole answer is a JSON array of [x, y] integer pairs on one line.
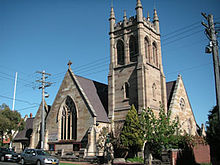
[[186, 156]]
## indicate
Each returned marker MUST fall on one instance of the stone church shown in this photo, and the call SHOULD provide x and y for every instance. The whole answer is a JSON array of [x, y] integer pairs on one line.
[[82, 107]]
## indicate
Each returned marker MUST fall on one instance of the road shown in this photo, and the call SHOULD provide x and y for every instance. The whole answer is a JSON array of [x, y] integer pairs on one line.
[[9, 163]]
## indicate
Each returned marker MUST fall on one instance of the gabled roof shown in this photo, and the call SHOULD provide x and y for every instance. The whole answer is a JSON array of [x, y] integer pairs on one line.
[[96, 94], [26, 132], [170, 88]]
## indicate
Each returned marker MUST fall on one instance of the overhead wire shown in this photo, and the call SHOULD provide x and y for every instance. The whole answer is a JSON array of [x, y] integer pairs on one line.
[[103, 61], [189, 68], [20, 100]]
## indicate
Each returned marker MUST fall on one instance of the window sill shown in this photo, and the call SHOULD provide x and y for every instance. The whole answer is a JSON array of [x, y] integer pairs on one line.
[[125, 100]]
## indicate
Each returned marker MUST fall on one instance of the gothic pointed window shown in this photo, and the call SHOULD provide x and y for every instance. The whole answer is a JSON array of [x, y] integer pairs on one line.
[[133, 49], [147, 45], [182, 104], [155, 56], [120, 52], [69, 120]]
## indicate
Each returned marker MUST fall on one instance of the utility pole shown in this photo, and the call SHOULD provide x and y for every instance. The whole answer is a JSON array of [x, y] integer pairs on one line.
[[213, 48], [44, 84]]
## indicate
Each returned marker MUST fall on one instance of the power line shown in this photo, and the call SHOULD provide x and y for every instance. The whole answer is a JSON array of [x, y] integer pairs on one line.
[[27, 108], [19, 79], [189, 68], [182, 32], [167, 43], [180, 29], [24, 101]]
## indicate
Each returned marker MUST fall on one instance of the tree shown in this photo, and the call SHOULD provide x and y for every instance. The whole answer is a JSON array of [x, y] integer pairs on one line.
[[3, 106], [213, 131], [10, 121], [161, 133], [132, 135]]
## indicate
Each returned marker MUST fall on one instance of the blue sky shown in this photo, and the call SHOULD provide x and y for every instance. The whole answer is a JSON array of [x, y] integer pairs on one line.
[[38, 35]]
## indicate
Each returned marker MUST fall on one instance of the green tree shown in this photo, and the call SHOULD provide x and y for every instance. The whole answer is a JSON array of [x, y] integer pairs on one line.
[[161, 132], [213, 131], [3, 106], [10, 120], [132, 135]]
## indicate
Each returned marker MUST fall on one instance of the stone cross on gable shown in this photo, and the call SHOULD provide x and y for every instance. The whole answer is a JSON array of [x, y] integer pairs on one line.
[[69, 63]]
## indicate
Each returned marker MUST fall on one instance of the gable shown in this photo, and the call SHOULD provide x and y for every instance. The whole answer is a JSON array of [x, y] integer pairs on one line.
[[180, 107], [85, 95], [25, 134]]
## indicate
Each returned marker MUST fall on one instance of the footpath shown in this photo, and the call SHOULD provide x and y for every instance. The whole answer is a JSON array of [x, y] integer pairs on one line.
[[78, 163]]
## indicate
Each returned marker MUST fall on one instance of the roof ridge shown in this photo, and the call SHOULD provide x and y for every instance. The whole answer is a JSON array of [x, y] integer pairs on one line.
[[90, 79]]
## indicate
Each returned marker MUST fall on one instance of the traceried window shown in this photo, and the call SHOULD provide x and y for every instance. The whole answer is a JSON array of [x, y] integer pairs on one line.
[[69, 120], [182, 104], [155, 56], [133, 49], [120, 52], [147, 50]]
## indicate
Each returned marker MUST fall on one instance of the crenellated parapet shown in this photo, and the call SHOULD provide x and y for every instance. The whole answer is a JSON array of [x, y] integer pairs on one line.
[[132, 21]]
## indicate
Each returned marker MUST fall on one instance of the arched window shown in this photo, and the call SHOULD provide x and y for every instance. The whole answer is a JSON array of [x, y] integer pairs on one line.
[[154, 87], [182, 104], [155, 58], [126, 90], [133, 48], [120, 52], [69, 120], [147, 50]]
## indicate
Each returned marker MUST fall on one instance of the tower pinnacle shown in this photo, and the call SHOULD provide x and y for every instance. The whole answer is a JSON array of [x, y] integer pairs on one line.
[[139, 11], [125, 17], [112, 14], [112, 19], [138, 5], [155, 15], [156, 21], [148, 16]]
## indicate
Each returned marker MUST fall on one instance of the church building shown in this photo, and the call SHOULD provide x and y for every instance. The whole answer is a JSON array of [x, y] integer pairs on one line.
[[82, 107]]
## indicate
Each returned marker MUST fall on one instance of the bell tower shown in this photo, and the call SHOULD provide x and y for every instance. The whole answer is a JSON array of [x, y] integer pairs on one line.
[[135, 72]]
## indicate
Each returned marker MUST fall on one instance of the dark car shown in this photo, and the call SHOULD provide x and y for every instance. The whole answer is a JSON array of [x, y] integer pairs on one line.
[[7, 154], [37, 156]]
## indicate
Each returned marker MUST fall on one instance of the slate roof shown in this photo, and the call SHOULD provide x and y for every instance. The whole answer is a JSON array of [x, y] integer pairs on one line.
[[26, 132], [170, 88], [97, 94]]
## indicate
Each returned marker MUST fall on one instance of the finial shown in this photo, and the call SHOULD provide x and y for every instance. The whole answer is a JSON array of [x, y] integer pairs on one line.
[[112, 14], [138, 4], [125, 17], [69, 64], [155, 15], [148, 16]]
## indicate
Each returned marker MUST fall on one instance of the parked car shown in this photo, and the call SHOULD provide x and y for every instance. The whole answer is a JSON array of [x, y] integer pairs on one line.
[[7, 154], [37, 156]]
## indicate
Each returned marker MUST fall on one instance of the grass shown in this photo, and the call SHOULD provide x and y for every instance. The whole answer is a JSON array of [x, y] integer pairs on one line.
[[136, 159]]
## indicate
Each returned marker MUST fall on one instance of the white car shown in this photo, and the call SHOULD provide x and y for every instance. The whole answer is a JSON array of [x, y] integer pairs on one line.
[[37, 156]]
